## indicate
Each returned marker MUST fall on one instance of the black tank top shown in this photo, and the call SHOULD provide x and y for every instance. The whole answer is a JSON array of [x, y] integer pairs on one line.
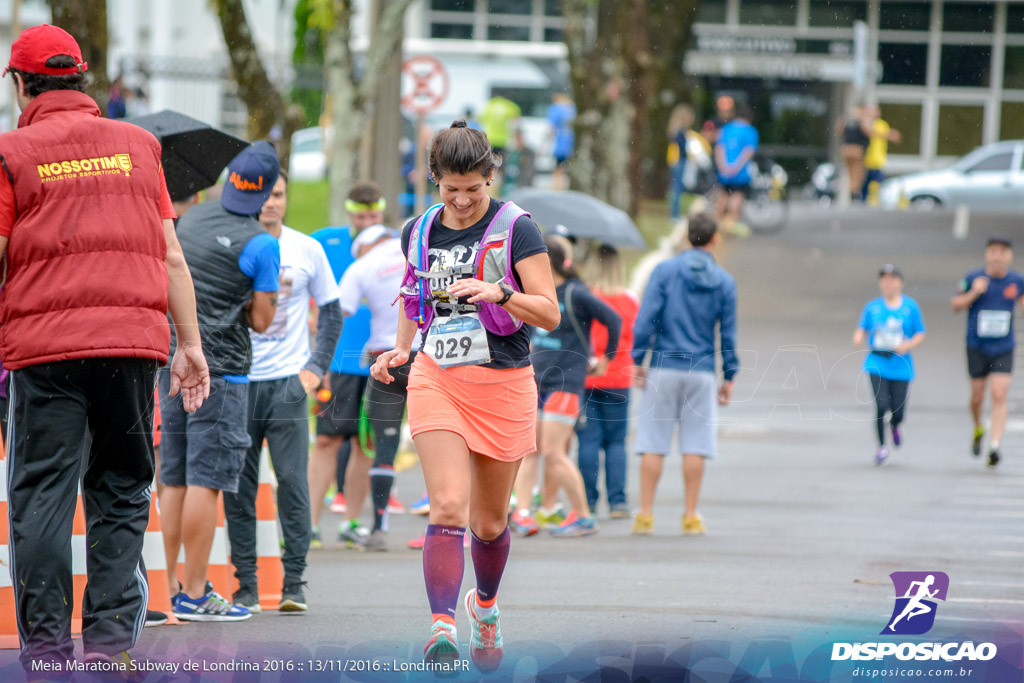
[[854, 135]]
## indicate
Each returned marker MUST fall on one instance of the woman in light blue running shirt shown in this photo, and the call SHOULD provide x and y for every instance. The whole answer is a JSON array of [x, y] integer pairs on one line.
[[891, 326]]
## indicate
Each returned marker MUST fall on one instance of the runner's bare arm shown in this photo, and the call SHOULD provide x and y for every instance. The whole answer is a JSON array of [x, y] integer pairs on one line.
[[910, 344], [181, 296], [536, 305], [400, 354], [189, 372], [963, 300], [261, 310]]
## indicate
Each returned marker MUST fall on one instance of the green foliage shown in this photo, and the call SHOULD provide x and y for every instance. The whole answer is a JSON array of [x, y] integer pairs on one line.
[[308, 56], [307, 205], [310, 30]]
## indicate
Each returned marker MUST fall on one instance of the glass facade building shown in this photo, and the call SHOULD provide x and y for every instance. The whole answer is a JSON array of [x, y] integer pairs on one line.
[[948, 75]]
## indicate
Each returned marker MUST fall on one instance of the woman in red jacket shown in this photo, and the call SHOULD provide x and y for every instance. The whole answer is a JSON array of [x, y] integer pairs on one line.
[[606, 398]]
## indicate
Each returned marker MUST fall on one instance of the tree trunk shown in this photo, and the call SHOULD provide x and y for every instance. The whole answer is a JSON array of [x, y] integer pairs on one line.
[[620, 77], [264, 102], [667, 85], [351, 101], [346, 119], [86, 20]]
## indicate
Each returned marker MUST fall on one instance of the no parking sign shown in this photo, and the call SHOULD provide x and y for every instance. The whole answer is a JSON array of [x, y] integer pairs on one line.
[[424, 89], [424, 84]]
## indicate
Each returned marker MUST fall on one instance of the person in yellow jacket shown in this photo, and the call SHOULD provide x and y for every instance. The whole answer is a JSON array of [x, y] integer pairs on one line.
[[877, 154]]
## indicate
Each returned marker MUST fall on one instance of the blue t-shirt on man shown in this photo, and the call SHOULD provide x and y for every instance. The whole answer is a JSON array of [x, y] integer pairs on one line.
[[733, 138], [337, 244], [886, 329], [990, 318], [560, 116]]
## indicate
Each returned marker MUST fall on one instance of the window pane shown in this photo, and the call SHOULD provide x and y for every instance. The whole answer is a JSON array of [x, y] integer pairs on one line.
[[1012, 121], [996, 162], [959, 129], [840, 13], [711, 12], [768, 12], [553, 8], [903, 64], [965, 65], [1013, 73], [510, 6], [453, 5], [906, 118], [1015, 19], [905, 16], [553, 35], [506, 32], [976, 17], [457, 31]]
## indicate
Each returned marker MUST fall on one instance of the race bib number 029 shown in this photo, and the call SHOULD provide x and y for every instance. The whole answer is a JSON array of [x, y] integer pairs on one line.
[[458, 340]]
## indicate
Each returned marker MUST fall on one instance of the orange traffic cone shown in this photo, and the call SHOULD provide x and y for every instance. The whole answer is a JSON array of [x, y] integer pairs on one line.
[[155, 559], [270, 573], [8, 617], [219, 571]]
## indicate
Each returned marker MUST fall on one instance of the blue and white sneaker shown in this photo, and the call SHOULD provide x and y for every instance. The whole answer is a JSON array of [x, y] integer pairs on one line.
[[421, 506], [210, 607], [574, 527]]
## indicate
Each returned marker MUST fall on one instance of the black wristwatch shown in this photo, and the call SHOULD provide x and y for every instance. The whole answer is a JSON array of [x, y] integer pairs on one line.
[[507, 291]]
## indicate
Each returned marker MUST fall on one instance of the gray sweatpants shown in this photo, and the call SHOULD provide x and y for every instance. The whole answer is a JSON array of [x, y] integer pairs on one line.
[[279, 413]]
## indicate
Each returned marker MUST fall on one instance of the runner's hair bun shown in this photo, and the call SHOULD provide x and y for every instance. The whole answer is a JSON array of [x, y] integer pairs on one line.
[[459, 123]]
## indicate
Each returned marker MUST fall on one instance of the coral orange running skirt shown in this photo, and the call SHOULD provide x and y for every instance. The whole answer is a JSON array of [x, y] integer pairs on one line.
[[495, 411]]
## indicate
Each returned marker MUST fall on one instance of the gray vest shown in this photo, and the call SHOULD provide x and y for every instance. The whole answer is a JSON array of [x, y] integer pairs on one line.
[[212, 240]]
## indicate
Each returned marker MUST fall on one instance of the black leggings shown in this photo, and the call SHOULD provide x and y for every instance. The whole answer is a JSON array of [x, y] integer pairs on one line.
[[890, 397], [385, 406]]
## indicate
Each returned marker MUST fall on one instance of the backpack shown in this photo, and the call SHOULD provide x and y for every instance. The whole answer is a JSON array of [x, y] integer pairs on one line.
[[493, 264]]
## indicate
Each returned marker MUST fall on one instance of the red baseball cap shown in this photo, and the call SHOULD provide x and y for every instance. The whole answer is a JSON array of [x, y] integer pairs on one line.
[[37, 44]]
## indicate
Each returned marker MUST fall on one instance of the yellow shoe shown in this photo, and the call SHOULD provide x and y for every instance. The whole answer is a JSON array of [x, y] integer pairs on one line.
[[738, 229], [554, 518], [694, 526], [643, 525]]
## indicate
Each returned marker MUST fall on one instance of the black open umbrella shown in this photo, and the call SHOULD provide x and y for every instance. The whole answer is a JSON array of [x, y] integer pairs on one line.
[[194, 153], [581, 214]]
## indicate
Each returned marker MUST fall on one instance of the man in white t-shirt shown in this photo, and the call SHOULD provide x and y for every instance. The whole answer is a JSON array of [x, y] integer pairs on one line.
[[374, 278], [284, 370]]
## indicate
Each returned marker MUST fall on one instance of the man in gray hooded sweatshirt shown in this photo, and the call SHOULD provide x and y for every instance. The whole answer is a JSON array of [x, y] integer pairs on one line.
[[686, 298]]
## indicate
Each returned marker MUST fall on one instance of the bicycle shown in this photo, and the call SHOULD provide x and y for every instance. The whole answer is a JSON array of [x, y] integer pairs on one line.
[[766, 208]]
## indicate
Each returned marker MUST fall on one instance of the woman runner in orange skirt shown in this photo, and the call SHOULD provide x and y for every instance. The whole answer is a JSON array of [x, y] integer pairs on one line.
[[478, 271]]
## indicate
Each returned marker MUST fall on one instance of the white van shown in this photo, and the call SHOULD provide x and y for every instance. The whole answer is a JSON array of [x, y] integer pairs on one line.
[[529, 82]]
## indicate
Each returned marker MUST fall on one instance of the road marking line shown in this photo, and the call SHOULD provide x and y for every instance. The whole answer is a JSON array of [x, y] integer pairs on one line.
[[1010, 502], [988, 601], [989, 583], [982, 621]]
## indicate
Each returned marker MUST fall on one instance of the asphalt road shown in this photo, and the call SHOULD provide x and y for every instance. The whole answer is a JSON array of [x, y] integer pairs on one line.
[[804, 529]]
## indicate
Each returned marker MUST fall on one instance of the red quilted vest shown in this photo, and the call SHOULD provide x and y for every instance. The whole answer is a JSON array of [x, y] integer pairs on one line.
[[85, 262]]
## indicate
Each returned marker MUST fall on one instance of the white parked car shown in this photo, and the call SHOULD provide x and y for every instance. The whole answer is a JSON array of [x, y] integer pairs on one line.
[[989, 178], [308, 161]]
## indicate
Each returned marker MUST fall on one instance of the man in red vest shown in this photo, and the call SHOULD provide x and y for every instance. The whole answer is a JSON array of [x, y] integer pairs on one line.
[[93, 267]]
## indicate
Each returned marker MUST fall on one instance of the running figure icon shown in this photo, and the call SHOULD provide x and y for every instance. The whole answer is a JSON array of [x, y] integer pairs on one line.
[[915, 607]]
